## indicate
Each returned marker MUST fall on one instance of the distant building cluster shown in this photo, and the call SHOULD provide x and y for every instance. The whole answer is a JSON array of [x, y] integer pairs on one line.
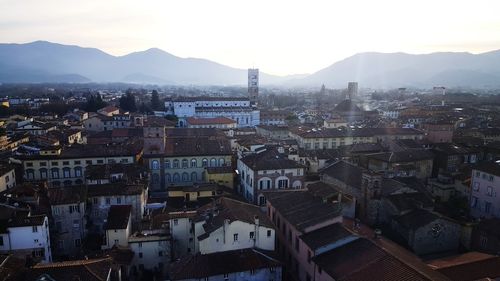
[[337, 185]]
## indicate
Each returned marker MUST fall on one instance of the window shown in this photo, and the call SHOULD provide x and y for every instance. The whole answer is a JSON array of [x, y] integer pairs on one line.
[[140, 244], [222, 162], [478, 174], [204, 162], [483, 240], [269, 233], [65, 163], [489, 191], [88, 162], [194, 177], [78, 172], [29, 164], [176, 221], [235, 237], [117, 241], [55, 173], [1, 240], [155, 165], [78, 162], [140, 255], [476, 186], [184, 163], [160, 253], [176, 177], [118, 200], [194, 163], [78, 242], [43, 173], [176, 164], [35, 241], [95, 200], [55, 163], [491, 178], [213, 162], [226, 276], [43, 164], [283, 183], [185, 176], [252, 235], [473, 203], [168, 178], [167, 164], [487, 207], [66, 173], [108, 201], [34, 228]]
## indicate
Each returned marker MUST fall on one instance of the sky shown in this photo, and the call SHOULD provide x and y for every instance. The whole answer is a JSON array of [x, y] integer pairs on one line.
[[278, 37]]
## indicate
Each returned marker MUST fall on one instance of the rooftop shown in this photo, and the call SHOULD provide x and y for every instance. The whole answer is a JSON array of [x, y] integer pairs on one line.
[[210, 121], [118, 216], [201, 266], [89, 270], [269, 159], [325, 236], [302, 209]]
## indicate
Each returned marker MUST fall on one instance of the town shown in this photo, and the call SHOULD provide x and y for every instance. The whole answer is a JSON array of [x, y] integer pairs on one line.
[[116, 182]]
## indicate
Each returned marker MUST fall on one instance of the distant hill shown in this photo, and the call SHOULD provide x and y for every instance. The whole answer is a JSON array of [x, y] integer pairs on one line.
[[43, 61], [406, 70]]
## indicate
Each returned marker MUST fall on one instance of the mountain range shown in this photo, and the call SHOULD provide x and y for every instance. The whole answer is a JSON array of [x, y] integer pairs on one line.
[[43, 61]]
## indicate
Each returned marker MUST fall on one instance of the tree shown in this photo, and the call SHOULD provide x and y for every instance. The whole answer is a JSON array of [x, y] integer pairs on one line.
[[94, 103], [127, 102], [155, 101]]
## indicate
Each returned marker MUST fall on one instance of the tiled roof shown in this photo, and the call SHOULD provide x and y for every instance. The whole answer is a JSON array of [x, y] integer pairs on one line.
[[89, 270], [20, 221], [67, 195], [302, 209], [201, 266], [118, 188], [325, 235], [417, 218], [359, 132], [269, 160], [345, 172], [468, 266], [210, 121], [490, 168], [411, 200], [118, 216], [321, 189], [199, 146], [233, 210], [409, 155], [363, 260]]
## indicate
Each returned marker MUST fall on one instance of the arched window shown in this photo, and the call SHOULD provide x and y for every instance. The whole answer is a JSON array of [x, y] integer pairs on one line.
[[184, 163], [155, 178], [67, 183], [30, 174], [194, 177], [185, 176], [66, 173], [43, 173], [176, 177], [213, 162], [204, 162], [222, 162], [54, 173], [78, 172], [167, 164], [176, 164], [168, 178], [194, 163], [155, 165]]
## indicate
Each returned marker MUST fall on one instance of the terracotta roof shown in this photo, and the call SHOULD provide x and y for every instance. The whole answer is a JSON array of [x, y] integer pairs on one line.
[[199, 146], [269, 159], [210, 121], [118, 188], [409, 155], [94, 269], [325, 236], [67, 195], [233, 210], [118, 216], [363, 260], [301, 209], [468, 266], [345, 172], [490, 168], [201, 266], [109, 109]]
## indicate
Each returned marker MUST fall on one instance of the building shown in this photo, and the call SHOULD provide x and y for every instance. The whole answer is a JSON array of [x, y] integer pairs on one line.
[[468, 266], [407, 163], [485, 183], [109, 110], [118, 226], [224, 225], [273, 132], [323, 138], [450, 158], [352, 90], [485, 236], [100, 269], [214, 122], [253, 85], [185, 157], [235, 108], [66, 166], [267, 170], [26, 236], [274, 117], [248, 264], [68, 219], [7, 176], [104, 196], [427, 232], [151, 252], [334, 123], [100, 123]]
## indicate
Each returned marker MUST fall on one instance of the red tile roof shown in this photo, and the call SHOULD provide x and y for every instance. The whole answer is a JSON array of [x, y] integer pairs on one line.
[[210, 121]]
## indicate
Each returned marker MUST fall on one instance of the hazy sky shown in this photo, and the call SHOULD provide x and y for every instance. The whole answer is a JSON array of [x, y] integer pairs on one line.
[[279, 37]]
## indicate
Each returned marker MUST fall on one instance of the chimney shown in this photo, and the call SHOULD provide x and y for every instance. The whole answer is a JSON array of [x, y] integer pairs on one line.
[[377, 233], [256, 220]]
